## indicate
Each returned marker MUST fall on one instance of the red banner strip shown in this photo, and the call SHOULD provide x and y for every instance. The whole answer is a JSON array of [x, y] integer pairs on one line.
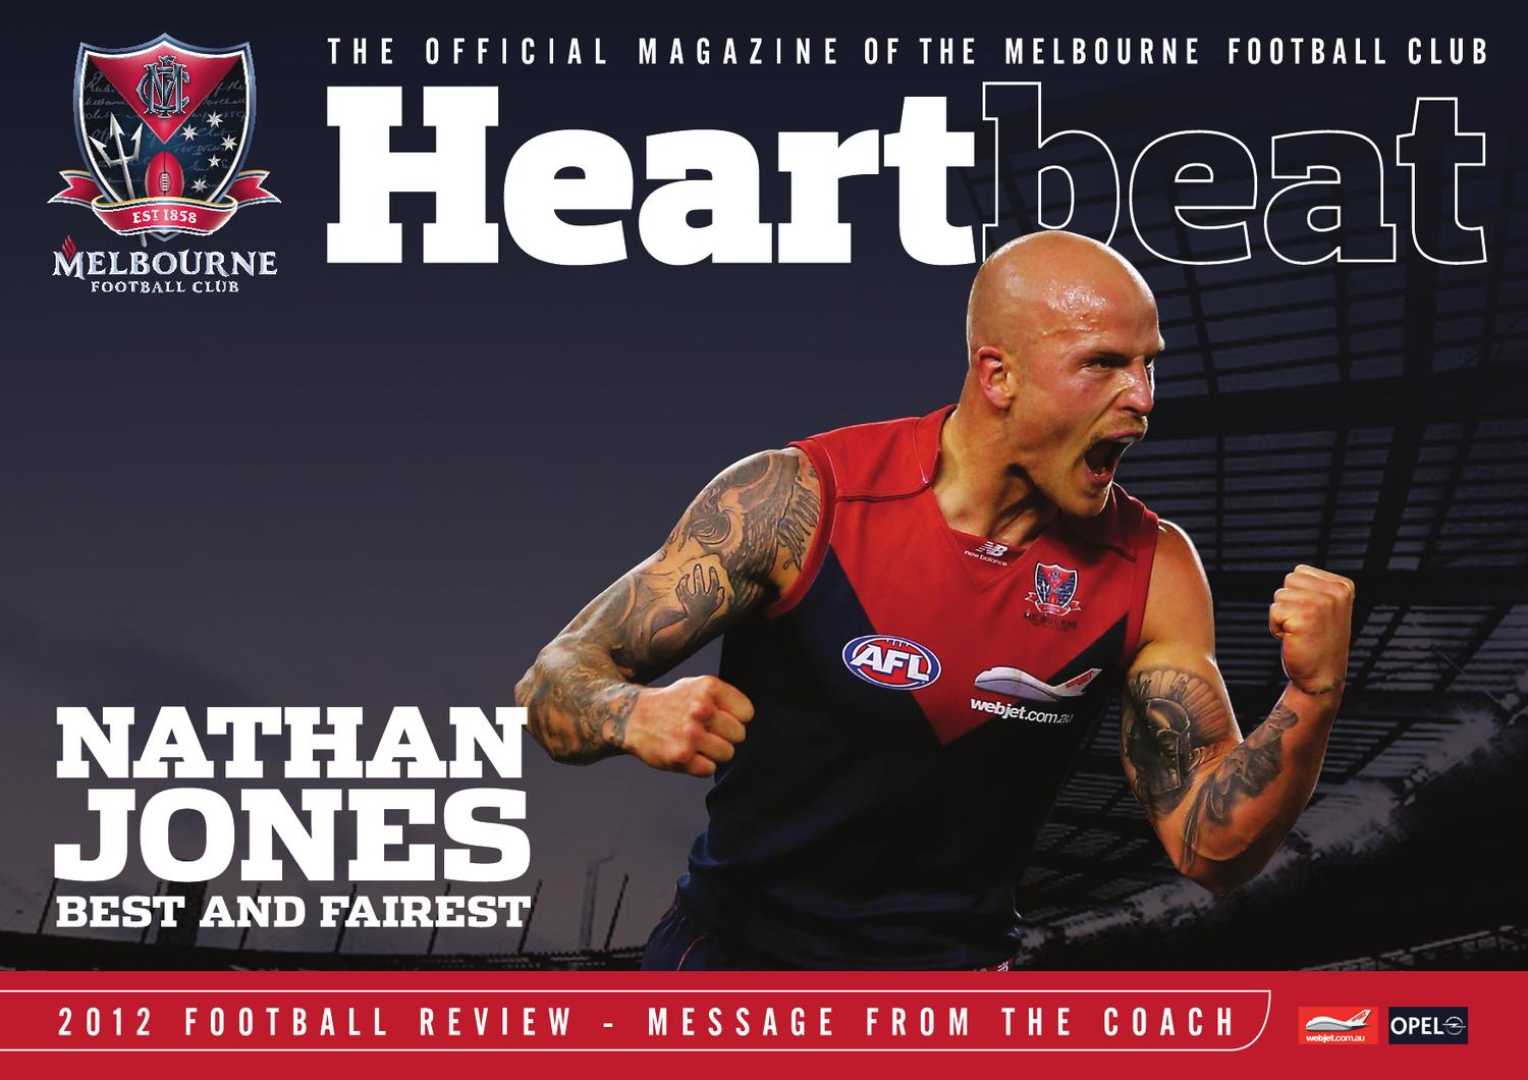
[[1313, 1022], [197, 217]]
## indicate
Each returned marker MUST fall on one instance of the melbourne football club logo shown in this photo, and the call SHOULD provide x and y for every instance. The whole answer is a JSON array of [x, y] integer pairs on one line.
[[892, 663], [164, 128], [1055, 589]]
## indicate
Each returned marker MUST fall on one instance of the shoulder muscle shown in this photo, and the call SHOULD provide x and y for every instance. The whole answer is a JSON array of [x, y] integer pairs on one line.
[[1178, 604], [757, 519]]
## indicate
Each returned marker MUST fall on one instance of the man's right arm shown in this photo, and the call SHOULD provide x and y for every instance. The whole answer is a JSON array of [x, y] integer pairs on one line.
[[741, 543]]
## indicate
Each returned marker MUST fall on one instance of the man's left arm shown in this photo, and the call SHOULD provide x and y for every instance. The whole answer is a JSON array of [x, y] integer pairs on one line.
[[1222, 804]]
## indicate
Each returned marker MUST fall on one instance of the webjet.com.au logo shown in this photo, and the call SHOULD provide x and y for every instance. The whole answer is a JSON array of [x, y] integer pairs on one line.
[[1338, 1025]]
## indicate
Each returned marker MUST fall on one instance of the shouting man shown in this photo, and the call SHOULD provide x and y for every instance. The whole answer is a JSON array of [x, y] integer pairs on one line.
[[922, 620]]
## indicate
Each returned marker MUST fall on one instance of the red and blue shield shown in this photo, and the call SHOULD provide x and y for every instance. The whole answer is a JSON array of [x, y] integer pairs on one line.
[[164, 129], [1055, 589]]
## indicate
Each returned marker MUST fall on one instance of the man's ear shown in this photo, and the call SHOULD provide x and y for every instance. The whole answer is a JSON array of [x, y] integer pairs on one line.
[[995, 375]]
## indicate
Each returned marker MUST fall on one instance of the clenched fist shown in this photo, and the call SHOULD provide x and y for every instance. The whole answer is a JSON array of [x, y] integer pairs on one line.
[[691, 726], [1312, 615]]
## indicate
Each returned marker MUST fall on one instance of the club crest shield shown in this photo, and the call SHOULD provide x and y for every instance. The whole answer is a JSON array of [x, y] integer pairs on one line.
[[164, 131], [1055, 589]]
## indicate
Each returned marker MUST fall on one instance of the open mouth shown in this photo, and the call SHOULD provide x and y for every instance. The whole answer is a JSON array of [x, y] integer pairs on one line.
[[1102, 457]]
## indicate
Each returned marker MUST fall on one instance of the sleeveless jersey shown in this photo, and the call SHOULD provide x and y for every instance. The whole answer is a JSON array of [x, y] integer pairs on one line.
[[919, 695]]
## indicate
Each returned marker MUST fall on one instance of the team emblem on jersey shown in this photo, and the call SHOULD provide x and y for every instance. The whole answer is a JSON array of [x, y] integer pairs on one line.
[[893, 663], [163, 128], [1055, 589]]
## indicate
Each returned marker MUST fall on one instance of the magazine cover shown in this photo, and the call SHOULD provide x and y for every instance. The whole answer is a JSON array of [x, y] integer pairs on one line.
[[763, 544]]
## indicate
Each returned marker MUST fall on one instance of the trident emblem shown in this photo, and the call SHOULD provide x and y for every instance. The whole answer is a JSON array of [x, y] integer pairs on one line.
[[123, 159]]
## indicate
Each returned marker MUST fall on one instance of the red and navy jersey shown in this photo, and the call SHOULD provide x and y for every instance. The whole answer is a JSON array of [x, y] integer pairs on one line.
[[919, 694]]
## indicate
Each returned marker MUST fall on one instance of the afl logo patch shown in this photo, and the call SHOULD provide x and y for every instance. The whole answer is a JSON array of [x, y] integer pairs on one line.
[[891, 662]]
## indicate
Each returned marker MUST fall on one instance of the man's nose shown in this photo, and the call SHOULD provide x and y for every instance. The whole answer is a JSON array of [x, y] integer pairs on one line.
[[1139, 392]]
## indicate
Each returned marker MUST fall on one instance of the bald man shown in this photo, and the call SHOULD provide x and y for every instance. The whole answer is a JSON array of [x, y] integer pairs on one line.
[[923, 620]]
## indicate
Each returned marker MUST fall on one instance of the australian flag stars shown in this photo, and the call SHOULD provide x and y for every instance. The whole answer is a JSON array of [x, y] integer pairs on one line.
[[208, 145]]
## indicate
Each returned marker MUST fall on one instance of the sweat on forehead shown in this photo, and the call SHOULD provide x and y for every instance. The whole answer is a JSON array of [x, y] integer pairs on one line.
[[1038, 281]]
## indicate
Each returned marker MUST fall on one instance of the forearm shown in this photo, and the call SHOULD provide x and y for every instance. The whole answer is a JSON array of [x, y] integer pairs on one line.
[[1221, 804], [577, 701], [1246, 801]]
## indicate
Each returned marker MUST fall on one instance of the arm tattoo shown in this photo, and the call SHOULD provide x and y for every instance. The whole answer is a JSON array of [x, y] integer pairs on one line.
[[1172, 721], [719, 564], [573, 708], [1242, 774]]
